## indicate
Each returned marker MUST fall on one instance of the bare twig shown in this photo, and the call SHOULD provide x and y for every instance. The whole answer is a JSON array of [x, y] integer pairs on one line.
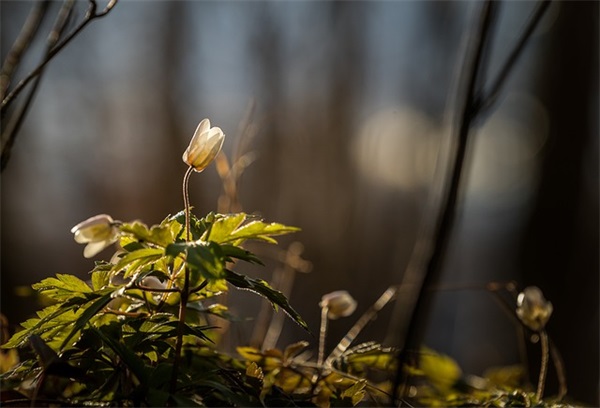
[[14, 124], [435, 248], [21, 44], [487, 99], [91, 15], [431, 248], [53, 46]]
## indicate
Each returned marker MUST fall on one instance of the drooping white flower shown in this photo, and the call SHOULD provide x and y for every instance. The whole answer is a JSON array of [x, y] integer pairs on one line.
[[98, 232], [339, 304], [204, 146], [533, 309]]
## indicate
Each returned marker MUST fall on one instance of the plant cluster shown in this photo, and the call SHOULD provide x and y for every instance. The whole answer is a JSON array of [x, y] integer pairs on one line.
[[140, 332]]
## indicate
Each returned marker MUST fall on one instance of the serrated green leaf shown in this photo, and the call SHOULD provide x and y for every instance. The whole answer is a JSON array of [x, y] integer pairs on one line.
[[223, 227], [197, 227], [133, 362], [259, 230], [134, 261], [236, 252], [62, 287], [86, 315], [370, 355], [262, 288], [49, 318], [161, 235], [208, 259]]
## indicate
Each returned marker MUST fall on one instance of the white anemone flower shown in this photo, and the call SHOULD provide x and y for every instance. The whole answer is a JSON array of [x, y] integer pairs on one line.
[[204, 146], [338, 304], [533, 309], [98, 232]]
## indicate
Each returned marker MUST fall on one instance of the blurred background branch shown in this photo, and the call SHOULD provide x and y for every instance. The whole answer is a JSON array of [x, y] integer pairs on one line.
[[54, 45]]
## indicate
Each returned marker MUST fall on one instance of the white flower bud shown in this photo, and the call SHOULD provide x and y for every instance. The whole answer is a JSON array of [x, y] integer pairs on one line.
[[97, 232], [338, 304], [533, 309], [204, 146]]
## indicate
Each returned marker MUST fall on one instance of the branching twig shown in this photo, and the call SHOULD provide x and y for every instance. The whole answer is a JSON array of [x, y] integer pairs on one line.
[[90, 16], [487, 99], [13, 126], [21, 44], [52, 48], [431, 250], [421, 280]]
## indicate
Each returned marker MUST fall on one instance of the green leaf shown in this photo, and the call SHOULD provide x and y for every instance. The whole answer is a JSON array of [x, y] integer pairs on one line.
[[133, 362], [49, 318], [223, 227], [262, 288], [440, 369], [232, 251], [369, 355], [197, 227], [62, 287], [134, 261], [259, 230], [85, 317], [207, 258], [101, 275], [355, 393], [161, 235]]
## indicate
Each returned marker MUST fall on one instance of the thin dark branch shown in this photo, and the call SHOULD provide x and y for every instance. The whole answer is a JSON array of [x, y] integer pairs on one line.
[[89, 17], [13, 126], [486, 99], [441, 232], [21, 44]]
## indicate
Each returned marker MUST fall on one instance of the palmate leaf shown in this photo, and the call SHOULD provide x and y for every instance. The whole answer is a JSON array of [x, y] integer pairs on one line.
[[62, 287], [51, 318], [259, 230], [161, 235], [262, 288]]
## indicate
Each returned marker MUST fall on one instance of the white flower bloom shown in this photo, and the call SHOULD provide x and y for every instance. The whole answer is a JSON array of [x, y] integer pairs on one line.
[[533, 309], [338, 304], [204, 146], [97, 232]]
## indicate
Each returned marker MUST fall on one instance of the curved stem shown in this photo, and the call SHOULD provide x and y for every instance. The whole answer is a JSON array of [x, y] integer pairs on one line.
[[186, 202], [185, 291]]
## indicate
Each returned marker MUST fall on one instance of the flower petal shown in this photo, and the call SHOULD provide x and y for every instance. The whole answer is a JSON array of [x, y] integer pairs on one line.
[[94, 248]]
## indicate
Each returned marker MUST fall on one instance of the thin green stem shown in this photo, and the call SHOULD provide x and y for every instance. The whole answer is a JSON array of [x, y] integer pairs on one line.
[[185, 291], [544, 367], [186, 202]]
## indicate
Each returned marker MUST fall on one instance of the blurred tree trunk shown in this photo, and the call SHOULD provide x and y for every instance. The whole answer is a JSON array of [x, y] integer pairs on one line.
[[560, 246]]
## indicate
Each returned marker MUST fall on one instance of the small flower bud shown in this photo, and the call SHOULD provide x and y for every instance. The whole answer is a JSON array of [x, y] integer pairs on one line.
[[533, 309], [204, 146], [97, 232], [338, 304]]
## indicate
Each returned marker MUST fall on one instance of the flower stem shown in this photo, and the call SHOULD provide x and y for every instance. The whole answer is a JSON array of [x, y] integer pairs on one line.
[[322, 334], [544, 367], [185, 291]]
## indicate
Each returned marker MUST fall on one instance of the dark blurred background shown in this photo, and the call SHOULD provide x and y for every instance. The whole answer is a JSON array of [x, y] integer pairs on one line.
[[348, 105]]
